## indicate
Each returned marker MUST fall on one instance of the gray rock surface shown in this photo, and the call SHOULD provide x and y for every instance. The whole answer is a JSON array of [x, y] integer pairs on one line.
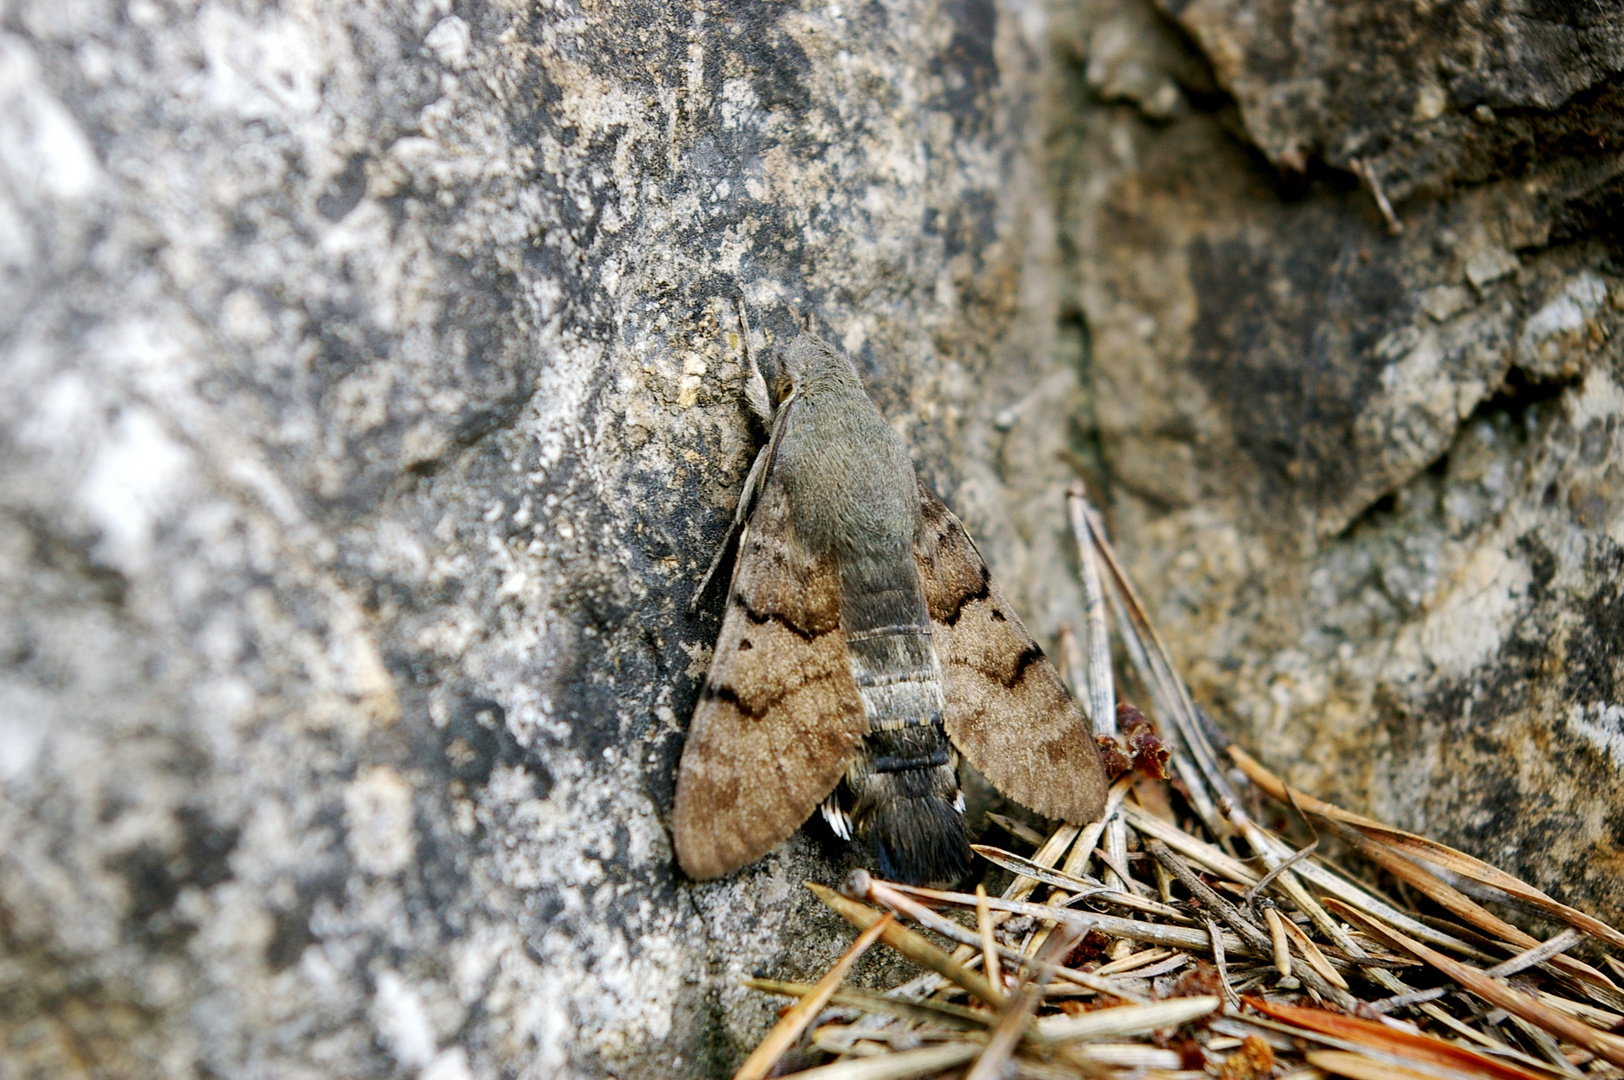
[[373, 408], [1372, 484]]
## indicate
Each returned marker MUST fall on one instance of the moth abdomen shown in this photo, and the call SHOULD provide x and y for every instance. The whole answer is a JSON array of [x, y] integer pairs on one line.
[[890, 763], [904, 783]]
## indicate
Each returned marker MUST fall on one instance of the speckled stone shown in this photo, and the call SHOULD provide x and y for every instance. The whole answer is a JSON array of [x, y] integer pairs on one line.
[[1370, 483], [372, 408]]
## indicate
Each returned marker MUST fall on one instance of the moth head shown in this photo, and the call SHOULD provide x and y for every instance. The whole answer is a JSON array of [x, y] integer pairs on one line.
[[780, 383], [806, 362]]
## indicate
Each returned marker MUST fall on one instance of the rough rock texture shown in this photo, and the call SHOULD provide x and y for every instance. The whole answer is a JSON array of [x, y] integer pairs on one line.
[[373, 406], [1372, 483]]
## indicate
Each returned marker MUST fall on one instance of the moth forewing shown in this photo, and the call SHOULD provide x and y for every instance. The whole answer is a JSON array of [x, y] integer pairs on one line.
[[779, 711]]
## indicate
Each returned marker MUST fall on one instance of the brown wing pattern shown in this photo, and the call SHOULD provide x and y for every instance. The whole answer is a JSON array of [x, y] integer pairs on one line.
[[779, 711], [1007, 710]]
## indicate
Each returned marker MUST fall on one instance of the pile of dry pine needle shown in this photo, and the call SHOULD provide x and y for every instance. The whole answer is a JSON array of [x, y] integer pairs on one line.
[[1183, 937]]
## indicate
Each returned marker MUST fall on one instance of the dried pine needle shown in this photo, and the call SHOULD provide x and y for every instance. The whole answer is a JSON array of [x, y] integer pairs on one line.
[[1250, 957]]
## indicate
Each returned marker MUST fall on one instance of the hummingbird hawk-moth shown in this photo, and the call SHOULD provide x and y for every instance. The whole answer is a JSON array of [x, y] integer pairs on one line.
[[863, 649]]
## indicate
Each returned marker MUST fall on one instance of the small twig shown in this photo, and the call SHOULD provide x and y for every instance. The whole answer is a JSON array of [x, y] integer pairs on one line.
[[791, 1025], [1222, 964], [1567, 939], [1436, 856], [989, 944], [1099, 687], [1453, 900], [1125, 1020], [1316, 959], [926, 1011], [1277, 937], [1178, 937], [1201, 891], [1364, 171], [1150, 654], [1575, 1031], [1252, 935], [891, 896], [1211, 856], [1018, 1013], [1284, 865], [911, 945], [1117, 863], [926, 1061], [1084, 888], [1143, 958], [1017, 829], [1083, 850]]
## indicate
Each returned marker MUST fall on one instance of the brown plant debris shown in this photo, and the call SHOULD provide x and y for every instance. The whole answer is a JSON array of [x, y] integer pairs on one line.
[[1179, 937]]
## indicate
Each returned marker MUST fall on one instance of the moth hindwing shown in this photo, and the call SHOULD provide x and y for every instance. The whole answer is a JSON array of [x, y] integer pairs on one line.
[[863, 648]]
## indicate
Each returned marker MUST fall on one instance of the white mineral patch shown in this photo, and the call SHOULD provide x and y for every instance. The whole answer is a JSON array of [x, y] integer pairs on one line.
[[398, 1013], [1553, 341], [271, 69], [42, 150], [1601, 724], [378, 809], [451, 42], [138, 475], [449, 1064], [25, 718], [1465, 626], [1489, 264]]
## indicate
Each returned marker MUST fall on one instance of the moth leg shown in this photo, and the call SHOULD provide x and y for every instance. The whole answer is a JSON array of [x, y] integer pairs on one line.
[[760, 402], [747, 500], [836, 815]]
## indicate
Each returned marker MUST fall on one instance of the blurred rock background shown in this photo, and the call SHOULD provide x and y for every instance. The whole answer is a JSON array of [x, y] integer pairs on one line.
[[373, 407]]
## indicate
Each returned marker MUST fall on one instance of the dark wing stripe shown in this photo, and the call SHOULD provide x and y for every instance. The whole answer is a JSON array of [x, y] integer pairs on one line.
[[712, 692], [1030, 656], [778, 714], [951, 618], [761, 618]]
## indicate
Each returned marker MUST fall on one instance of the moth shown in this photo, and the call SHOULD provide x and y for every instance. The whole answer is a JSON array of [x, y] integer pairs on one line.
[[863, 648]]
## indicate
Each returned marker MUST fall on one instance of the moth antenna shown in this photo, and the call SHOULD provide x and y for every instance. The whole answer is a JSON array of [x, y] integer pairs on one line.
[[755, 384]]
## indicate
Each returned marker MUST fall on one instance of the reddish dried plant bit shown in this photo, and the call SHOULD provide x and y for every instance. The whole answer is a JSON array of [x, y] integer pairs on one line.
[[1150, 754], [1191, 1057], [1129, 718], [1102, 1000], [1252, 1060], [1113, 757], [1199, 981], [1091, 948]]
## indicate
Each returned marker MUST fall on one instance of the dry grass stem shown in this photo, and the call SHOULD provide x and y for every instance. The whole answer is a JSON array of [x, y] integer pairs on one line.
[[1242, 951], [796, 1020]]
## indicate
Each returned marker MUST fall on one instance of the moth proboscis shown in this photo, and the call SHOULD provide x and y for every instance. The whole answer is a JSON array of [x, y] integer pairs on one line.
[[863, 648]]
